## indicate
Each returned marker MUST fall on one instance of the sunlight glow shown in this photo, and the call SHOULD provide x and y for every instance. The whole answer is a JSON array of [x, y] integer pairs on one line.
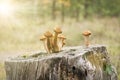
[[6, 9]]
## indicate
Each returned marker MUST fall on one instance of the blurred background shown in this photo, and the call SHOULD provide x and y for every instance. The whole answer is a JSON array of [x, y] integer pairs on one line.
[[22, 22]]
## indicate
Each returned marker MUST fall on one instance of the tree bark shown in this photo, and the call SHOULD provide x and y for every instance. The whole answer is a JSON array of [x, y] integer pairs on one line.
[[72, 63]]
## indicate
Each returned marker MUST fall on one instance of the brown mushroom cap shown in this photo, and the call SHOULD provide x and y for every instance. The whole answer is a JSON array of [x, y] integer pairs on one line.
[[42, 38], [86, 33], [61, 36], [48, 34], [58, 30]]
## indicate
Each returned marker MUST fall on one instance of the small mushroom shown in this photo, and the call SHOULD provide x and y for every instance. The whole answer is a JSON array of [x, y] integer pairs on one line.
[[57, 31], [48, 36], [86, 36], [63, 43], [43, 38], [61, 40]]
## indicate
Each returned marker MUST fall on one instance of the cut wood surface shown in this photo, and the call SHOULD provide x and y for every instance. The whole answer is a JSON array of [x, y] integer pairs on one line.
[[72, 63]]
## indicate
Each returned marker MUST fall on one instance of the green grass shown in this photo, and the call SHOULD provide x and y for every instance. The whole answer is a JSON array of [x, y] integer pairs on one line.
[[24, 35]]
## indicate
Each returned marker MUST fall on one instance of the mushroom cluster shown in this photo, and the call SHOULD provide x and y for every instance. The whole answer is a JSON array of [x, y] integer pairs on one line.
[[53, 42]]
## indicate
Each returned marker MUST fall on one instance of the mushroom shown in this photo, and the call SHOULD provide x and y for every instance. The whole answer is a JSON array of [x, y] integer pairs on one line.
[[57, 31], [86, 36], [43, 38], [48, 36], [61, 41]]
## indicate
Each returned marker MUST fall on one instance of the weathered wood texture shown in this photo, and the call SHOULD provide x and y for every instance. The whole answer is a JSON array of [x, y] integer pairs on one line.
[[73, 63]]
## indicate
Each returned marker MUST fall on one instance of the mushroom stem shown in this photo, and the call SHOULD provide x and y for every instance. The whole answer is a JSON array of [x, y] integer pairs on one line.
[[48, 36], [86, 41], [48, 43], [55, 41], [61, 39], [45, 46], [60, 44], [63, 43], [57, 31], [43, 38]]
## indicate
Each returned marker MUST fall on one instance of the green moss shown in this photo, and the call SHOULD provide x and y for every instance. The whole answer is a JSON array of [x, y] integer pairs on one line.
[[107, 68], [99, 61], [25, 56], [41, 54]]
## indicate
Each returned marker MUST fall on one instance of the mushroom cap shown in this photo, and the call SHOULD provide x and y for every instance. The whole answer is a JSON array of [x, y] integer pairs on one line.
[[86, 33], [48, 34], [42, 38], [58, 30], [61, 36]]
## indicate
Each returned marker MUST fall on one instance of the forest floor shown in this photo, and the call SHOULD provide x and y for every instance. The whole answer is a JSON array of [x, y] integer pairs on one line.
[[18, 39]]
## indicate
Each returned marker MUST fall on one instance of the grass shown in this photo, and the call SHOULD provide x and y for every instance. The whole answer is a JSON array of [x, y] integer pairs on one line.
[[2, 72], [23, 35]]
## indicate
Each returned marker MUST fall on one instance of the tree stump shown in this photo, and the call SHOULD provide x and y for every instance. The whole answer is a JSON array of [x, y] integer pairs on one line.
[[72, 63]]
